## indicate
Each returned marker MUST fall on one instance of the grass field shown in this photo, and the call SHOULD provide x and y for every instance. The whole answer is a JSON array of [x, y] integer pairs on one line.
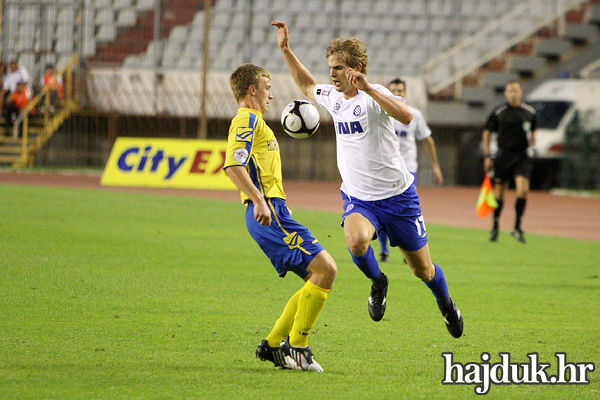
[[114, 295]]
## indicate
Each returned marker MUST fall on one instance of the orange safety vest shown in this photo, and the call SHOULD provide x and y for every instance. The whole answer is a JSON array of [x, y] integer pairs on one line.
[[50, 80], [20, 99]]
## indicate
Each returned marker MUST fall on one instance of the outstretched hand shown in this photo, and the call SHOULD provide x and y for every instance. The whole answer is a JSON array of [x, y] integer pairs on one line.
[[283, 33]]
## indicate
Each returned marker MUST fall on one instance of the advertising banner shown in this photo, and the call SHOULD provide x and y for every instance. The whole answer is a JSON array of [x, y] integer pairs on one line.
[[173, 163]]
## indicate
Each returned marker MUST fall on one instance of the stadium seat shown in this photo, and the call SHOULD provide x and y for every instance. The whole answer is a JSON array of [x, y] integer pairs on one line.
[[106, 33], [99, 4], [127, 17], [89, 46], [105, 16], [144, 5], [198, 19], [121, 4]]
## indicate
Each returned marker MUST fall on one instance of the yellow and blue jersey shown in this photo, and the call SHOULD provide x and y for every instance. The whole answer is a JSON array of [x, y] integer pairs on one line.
[[252, 144]]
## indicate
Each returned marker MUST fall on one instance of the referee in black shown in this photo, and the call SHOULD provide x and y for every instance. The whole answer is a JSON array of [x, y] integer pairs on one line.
[[515, 124]]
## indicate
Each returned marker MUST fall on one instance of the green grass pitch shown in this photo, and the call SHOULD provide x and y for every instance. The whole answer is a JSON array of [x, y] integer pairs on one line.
[[116, 295]]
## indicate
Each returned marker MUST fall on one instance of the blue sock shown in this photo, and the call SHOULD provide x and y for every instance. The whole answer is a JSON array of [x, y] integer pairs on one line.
[[439, 288], [367, 263], [383, 241]]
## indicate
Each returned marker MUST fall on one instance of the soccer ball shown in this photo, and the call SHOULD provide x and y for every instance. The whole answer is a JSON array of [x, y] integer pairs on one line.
[[300, 119]]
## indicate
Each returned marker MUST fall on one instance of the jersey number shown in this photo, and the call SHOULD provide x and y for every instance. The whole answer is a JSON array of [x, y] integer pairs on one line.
[[420, 223]]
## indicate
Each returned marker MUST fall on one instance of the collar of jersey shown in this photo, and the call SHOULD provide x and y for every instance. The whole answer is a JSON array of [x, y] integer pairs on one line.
[[252, 110]]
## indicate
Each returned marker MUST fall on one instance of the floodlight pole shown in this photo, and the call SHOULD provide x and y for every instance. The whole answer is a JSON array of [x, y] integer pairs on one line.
[[202, 126]]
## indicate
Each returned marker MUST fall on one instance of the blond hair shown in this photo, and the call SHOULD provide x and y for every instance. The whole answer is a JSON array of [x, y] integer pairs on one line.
[[244, 76], [352, 50]]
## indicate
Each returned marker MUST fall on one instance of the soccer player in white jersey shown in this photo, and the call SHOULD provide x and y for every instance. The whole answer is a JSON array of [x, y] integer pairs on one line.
[[377, 188], [408, 136]]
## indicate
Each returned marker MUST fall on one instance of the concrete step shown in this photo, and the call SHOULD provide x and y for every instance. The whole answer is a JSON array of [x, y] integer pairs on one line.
[[594, 14], [580, 33], [498, 80], [478, 95], [526, 65], [554, 48]]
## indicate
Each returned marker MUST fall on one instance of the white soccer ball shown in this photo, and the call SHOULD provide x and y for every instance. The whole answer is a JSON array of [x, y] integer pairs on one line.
[[300, 119]]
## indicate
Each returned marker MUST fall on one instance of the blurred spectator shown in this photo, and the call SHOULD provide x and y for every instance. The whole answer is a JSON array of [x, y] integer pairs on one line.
[[55, 82], [2, 95], [15, 75], [3, 87], [15, 103]]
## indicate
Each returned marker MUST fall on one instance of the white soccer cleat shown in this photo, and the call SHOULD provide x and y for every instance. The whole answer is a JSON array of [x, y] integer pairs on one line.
[[302, 356]]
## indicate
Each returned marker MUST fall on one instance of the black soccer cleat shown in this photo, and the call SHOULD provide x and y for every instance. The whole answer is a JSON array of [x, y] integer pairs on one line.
[[377, 300], [383, 257], [494, 235], [274, 354], [518, 234], [453, 319], [301, 356]]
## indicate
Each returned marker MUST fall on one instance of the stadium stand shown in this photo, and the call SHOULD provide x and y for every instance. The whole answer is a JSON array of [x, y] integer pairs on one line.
[[460, 50], [418, 37]]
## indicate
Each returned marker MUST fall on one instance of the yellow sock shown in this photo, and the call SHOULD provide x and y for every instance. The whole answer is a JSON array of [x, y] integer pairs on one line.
[[283, 326], [310, 304]]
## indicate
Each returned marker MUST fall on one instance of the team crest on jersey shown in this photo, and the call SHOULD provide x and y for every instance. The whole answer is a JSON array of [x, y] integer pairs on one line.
[[336, 106], [357, 111], [241, 155], [350, 207]]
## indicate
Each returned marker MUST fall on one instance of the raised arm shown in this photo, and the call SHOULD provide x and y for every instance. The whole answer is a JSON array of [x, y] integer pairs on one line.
[[300, 74]]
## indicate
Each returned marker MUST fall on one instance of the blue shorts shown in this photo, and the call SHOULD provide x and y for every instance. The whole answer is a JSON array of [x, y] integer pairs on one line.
[[399, 216], [289, 245]]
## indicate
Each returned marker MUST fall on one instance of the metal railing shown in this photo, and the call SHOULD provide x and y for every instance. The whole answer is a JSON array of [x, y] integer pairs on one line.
[[473, 52], [51, 121]]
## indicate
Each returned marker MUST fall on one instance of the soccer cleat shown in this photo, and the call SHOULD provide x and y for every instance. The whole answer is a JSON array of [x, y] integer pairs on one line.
[[301, 356], [274, 354], [494, 235], [377, 300], [383, 257], [454, 320], [518, 234]]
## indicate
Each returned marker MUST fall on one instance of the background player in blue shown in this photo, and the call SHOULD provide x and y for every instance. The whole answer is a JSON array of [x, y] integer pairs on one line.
[[253, 164], [377, 188], [516, 125], [408, 136]]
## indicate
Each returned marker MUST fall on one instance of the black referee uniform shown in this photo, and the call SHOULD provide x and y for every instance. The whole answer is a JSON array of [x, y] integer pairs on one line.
[[513, 126]]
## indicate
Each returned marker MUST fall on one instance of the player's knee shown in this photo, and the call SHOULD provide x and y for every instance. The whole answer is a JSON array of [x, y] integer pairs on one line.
[[324, 267], [425, 276], [329, 267], [423, 272], [357, 244]]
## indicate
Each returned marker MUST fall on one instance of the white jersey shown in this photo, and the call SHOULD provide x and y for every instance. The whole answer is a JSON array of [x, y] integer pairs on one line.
[[409, 134], [368, 150]]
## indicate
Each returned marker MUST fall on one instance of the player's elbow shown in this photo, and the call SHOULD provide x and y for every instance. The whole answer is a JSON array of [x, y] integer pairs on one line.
[[406, 116]]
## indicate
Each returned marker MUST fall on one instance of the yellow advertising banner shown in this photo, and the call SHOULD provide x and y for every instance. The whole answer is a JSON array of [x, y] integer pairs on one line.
[[174, 163]]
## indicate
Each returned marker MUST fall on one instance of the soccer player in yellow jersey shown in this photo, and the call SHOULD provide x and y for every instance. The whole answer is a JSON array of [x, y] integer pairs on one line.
[[253, 164]]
